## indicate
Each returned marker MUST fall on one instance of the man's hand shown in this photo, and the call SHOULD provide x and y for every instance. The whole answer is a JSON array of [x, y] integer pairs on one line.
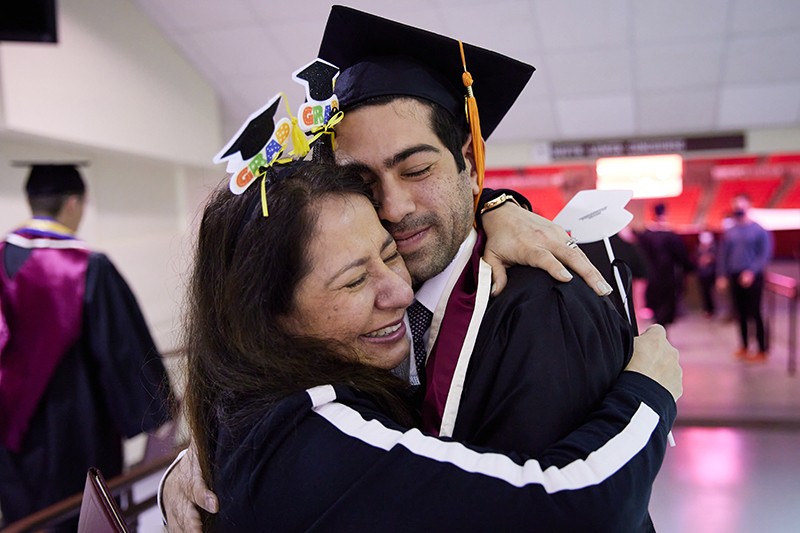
[[183, 489], [722, 283], [515, 236], [657, 359]]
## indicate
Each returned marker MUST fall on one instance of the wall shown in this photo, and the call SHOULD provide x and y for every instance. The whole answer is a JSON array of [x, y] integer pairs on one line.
[[115, 93], [113, 82]]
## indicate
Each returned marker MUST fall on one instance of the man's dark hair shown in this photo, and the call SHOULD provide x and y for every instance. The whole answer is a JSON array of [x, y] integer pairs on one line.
[[49, 204], [451, 131]]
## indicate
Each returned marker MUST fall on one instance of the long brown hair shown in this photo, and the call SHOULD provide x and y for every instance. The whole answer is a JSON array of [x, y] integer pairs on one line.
[[246, 268]]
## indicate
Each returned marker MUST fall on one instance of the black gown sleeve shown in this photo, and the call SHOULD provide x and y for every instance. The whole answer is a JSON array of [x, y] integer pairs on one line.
[[546, 355], [133, 379]]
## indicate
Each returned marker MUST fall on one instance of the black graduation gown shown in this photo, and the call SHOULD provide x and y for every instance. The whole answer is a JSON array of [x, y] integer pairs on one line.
[[546, 354], [111, 384], [668, 261]]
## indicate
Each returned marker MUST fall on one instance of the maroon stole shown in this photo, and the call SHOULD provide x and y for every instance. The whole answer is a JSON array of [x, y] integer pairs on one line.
[[454, 330], [40, 320]]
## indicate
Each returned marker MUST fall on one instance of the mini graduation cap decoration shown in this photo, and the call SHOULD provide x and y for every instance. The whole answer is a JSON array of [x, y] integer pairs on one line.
[[318, 77], [381, 57], [260, 142], [47, 179], [253, 135]]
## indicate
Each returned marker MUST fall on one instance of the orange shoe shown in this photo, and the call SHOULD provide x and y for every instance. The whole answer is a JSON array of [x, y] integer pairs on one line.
[[760, 357], [741, 353]]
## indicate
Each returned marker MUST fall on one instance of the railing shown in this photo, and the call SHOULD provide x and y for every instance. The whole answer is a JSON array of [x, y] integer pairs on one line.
[[121, 485], [780, 285], [160, 450]]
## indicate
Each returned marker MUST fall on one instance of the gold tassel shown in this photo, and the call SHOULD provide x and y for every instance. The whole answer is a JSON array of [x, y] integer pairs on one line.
[[300, 146], [474, 126]]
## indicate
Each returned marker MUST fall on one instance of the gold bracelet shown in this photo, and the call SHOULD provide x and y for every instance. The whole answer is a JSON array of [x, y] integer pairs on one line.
[[497, 202]]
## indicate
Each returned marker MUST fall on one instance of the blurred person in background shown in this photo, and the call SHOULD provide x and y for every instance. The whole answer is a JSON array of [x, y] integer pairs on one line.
[[706, 261], [744, 253], [668, 261], [78, 368]]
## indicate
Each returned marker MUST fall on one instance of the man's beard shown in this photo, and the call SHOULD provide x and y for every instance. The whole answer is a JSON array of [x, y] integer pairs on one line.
[[430, 260]]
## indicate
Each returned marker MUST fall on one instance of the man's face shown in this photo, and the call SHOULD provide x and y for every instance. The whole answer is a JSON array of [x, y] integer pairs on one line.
[[425, 202]]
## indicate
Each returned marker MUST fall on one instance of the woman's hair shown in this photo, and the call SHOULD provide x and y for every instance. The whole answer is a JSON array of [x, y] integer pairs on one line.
[[241, 358]]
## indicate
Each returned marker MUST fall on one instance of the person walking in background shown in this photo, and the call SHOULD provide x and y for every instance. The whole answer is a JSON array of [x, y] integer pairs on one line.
[[744, 252], [78, 368], [668, 261], [706, 261]]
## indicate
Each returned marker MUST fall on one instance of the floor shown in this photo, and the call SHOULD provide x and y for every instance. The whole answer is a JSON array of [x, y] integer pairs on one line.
[[736, 465]]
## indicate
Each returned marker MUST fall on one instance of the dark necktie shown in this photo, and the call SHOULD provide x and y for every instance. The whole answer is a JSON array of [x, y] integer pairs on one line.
[[420, 320]]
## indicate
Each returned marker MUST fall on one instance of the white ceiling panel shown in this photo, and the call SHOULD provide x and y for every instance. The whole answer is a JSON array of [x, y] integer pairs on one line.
[[600, 71], [662, 113], [595, 117], [676, 20], [763, 59], [527, 119], [221, 49], [757, 16], [506, 27], [182, 15], [568, 24], [760, 105], [678, 66]]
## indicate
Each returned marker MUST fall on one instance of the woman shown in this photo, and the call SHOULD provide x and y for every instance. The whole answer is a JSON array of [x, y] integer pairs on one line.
[[295, 320]]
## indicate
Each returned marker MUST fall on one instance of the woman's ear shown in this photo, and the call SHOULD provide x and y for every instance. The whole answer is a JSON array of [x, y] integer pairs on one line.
[[468, 152]]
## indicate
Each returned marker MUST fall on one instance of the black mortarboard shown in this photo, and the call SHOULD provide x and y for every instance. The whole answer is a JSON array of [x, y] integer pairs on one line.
[[48, 179], [252, 137], [318, 77], [380, 57]]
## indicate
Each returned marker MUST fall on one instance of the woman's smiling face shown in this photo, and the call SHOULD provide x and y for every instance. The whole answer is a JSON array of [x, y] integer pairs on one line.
[[358, 287]]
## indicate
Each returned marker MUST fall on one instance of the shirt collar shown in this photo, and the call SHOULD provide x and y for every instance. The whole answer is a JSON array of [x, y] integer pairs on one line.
[[431, 291]]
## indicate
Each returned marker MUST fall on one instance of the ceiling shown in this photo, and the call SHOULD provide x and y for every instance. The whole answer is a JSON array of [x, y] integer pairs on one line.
[[605, 68]]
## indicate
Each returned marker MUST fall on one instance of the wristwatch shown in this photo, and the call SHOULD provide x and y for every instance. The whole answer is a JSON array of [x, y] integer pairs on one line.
[[494, 203]]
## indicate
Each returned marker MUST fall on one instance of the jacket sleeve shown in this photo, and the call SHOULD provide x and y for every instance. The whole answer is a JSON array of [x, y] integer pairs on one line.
[[356, 468], [132, 376]]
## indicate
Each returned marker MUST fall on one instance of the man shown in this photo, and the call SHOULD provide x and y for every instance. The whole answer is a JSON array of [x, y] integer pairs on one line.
[[78, 368], [668, 261], [515, 372], [744, 252]]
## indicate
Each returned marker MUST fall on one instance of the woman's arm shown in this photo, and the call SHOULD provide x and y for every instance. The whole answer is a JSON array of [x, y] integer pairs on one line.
[[353, 466], [516, 236]]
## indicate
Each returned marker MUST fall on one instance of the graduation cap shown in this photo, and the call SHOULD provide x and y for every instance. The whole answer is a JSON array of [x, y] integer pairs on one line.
[[47, 179], [381, 57]]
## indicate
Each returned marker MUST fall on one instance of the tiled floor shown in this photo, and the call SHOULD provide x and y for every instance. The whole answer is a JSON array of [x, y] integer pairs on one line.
[[736, 466], [729, 480]]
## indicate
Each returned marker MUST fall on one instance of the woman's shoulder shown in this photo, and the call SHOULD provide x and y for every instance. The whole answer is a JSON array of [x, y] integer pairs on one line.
[[280, 420], [258, 474]]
